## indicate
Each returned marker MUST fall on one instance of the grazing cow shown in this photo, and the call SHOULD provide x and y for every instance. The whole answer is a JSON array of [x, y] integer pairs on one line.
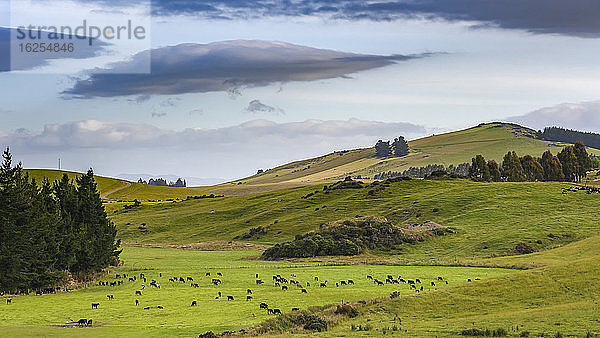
[[269, 311], [110, 296], [181, 279], [258, 282], [439, 278], [137, 302], [343, 283], [208, 274], [138, 293], [171, 280], [418, 280], [194, 303], [143, 286], [337, 284], [421, 288], [118, 276], [219, 274], [412, 282], [147, 308], [95, 305], [256, 275], [432, 284], [295, 309], [190, 279], [446, 282], [8, 301], [219, 293], [248, 298], [284, 288], [160, 307], [316, 279], [350, 282], [216, 281], [276, 311], [89, 323], [307, 284], [477, 279], [402, 280], [468, 280], [369, 277], [264, 306], [131, 279], [82, 322], [323, 285], [390, 277], [248, 292], [303, 291], [230, 298]]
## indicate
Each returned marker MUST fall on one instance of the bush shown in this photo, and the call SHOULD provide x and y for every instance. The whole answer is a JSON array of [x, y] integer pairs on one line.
[[314, 323], [524, 248], [346, 310]]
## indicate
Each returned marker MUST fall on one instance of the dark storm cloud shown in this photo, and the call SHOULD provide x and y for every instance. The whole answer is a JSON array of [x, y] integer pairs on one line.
[[226, 66], [568, 17]]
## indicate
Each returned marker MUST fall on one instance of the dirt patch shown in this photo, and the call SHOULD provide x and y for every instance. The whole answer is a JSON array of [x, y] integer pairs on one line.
[[427, 226]]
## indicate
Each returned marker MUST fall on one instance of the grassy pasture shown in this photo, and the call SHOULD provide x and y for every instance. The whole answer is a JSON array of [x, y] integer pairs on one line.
[[31, 315], [488, 219], [105, 184]]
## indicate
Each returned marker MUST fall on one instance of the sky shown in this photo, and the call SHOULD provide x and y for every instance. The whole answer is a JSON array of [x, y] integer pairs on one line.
[[218, 89]]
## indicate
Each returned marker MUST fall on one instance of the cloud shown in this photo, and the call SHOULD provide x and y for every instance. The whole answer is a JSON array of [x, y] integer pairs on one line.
[[572, 17], [155, 114], [232, 151], [82, 49], [226, 66], [255, 106], [140, 99], [583, 116]]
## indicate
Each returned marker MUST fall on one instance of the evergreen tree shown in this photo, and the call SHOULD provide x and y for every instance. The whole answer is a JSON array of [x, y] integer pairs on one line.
[[532, 169], [382, 149], [495, 175], [479, 170], [584, 163], [552, 168], [569, 163], [400, 147], [70, 235], [511, 168]]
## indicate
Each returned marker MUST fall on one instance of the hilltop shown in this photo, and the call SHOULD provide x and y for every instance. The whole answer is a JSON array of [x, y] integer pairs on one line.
[[492, 140]]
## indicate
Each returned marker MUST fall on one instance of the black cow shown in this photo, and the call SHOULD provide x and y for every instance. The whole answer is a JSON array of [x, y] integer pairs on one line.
[[316, 279], [95, 305], [418, 280], [190, 279], [256, 275], [439, 278], [343, 283], [369, 277], [323, 285], [230, 298], [8, 301], [295, 309], [269, 311], [264, 306], [284, 287], [276, 311], [350, 282], [468, 280], [89, 323], [194, 303], [208, 274], [219, 274], [248, 292], [147, 308], [138, 293], [110, 296], [303, 291], [248, 298], [160, 307], [137, 302], [432, 284], [307, 284], [219, 293], [82, 322], [379, 282]]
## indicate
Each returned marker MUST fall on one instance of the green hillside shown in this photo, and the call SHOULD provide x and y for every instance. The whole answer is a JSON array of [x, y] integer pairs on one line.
[[492, 140], [105, 184], [488, 218]]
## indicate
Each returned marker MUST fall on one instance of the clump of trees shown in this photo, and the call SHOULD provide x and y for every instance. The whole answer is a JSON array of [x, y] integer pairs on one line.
[[422, 172], [48, 230], [398, 148], [557, 134], [570, 164], [161, 182]]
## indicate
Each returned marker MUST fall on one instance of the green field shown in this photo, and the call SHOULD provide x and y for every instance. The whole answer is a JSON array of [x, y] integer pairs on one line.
[[43, 314]]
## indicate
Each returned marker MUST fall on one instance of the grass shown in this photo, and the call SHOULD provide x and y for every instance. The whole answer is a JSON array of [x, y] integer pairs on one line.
[[488, 219], [105, 184], [492, 140], [31, 315]]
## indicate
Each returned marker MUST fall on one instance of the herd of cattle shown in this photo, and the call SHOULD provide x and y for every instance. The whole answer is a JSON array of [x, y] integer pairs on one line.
[[589, 190]]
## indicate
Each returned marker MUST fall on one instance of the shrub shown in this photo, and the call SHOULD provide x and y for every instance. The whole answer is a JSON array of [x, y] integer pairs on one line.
[[346, 310], [524, 248]]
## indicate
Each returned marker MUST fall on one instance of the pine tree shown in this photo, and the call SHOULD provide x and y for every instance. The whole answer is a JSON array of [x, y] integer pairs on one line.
[[511, 168], [69, 233], [400, 147], [479, 170], [552, 168], [532, 169], [495, 175], [382, 149], [569, 163], [583, 160]]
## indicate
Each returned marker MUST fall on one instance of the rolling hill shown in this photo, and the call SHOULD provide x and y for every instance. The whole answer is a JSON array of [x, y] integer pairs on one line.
[[492, 140]]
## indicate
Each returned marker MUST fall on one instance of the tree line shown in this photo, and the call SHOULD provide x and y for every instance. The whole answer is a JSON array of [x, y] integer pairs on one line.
[[398, 148], [161, 182], [422, 172], [557, 134], [570, 164], [50, 230]]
